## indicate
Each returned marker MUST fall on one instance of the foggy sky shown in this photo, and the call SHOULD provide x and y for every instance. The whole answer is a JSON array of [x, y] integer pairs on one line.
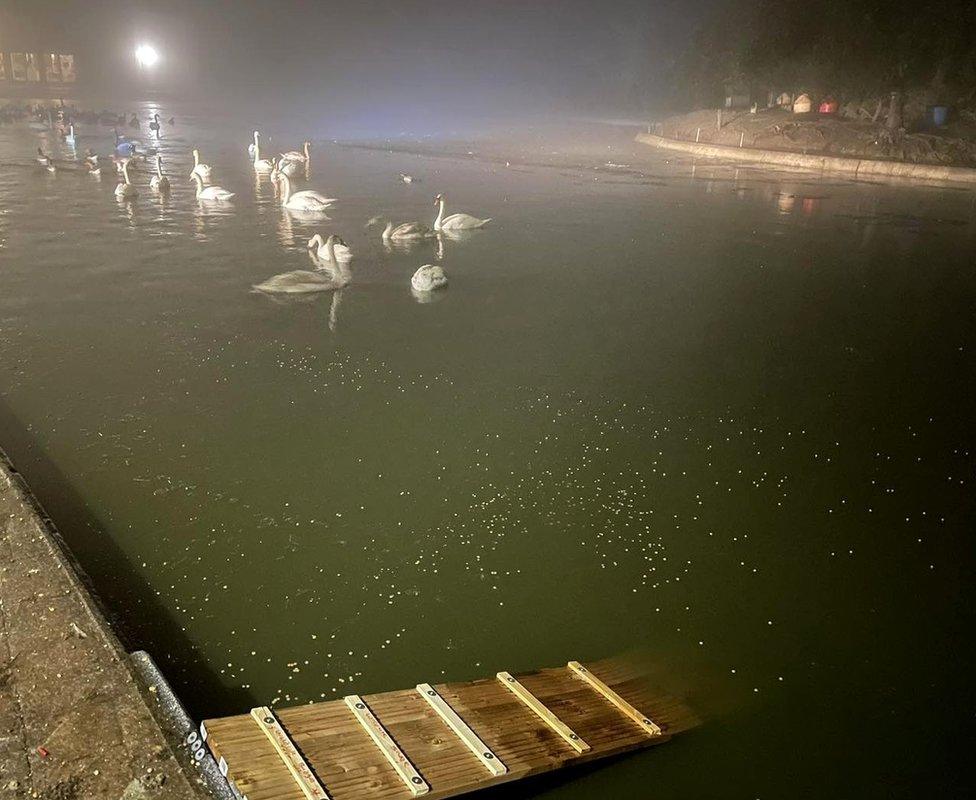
[[483, 55]]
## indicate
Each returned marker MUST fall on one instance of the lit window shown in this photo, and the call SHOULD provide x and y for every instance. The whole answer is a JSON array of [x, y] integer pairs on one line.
[[18, 66], [67, 68], [33, 73], [52, 68]]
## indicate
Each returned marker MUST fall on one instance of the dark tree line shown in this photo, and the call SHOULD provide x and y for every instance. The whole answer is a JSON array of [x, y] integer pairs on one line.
[[853, 49]]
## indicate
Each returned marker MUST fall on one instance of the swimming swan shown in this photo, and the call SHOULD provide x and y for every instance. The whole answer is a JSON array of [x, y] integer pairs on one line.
[[125, 190], [298, 155], [203, 170], [306, 200], [305, 280], [159, 182], [260, 164], [339, 251], [405, 231], [210, 192], [70, 138], [428, 278], [455, 222]]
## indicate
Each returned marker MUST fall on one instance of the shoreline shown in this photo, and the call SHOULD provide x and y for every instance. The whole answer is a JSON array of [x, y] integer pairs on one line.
[[857, 167], [75, 720]]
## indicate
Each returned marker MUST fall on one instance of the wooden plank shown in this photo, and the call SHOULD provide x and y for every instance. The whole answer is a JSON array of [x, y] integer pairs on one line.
[[283, 745], [542, 712], [481, 751], [406, 770], [643, 720]]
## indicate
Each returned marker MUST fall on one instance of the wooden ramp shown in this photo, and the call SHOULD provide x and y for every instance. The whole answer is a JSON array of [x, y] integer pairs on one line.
[[443, 740]]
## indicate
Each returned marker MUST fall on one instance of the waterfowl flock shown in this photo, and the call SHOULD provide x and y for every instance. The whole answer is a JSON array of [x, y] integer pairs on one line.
[[331, 255]]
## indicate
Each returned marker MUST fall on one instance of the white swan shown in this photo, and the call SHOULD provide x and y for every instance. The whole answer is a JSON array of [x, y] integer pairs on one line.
[[298, 155], [405, 231], [70, 138], [340, 249], [260, 164], [428, 278], [202, 170], [455, 222], [125, 190], [210, 192], [306, 200], [159, 182], [305, 280]]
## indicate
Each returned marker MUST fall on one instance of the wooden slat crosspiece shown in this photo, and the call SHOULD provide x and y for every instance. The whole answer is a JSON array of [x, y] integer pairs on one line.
[[337, 750], [285, 747], [644, 721]]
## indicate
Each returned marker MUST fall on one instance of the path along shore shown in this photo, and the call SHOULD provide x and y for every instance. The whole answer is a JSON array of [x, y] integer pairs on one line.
[[74, 722]]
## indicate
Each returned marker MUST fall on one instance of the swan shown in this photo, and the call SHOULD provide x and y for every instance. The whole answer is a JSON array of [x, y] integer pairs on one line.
[[203, 170], [428, 278], [260, 164], [293, 168], [305, 280], [340, 250], [154, 125], [298, 155], [210, 192], [70, 138], [125, 190], [159, 182], [306, 200], [455, 222], [403, 231]]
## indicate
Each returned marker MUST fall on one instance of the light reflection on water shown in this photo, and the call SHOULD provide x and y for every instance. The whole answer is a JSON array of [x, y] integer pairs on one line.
[[711, 413]]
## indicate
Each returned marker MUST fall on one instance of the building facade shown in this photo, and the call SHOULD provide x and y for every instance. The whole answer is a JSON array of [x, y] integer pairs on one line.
[[34, 59]]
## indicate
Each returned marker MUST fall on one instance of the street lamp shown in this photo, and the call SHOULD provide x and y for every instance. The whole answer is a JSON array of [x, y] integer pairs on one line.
[[146, 55]]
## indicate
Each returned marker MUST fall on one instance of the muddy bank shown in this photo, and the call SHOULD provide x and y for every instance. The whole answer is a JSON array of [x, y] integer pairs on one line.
[[74, 723]]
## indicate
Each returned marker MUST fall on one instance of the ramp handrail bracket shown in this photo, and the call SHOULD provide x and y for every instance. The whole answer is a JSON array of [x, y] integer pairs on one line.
[[397, 758], [285, 747], [649, 726], [471, 740], [540, 710]]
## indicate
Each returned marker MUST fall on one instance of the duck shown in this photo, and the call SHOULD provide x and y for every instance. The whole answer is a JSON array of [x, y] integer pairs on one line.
[[319, 247], [300, 281], [91, 161], [159, 182], [306, 200], [125, 190], [260, 164], [171, 121], [154, 125], [44, 160], [210, 192], [202, 170], [428, 278], [455, 222]]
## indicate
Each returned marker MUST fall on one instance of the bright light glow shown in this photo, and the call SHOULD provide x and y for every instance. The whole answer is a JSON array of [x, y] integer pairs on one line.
[[146, 55]]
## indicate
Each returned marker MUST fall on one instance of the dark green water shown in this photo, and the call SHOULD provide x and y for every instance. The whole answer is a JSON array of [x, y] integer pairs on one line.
[[723, 417]]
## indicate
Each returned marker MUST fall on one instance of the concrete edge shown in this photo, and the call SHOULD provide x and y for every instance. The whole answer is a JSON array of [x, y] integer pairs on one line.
[[858, 167], [81, 587], [177, 724]]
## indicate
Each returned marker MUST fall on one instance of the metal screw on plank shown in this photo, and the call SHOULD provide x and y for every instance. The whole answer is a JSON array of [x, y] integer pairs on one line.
[[431, 692], [360, 705], [573, 736], [415, 779], [488, 756], [269, 720]]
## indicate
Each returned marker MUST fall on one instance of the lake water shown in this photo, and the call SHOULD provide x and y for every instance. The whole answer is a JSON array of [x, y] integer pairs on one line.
[[720, 416]]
